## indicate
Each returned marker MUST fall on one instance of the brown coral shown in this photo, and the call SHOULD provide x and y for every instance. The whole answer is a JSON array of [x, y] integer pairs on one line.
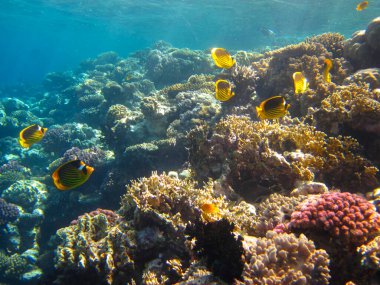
[[279, 259], [253, 155], [198, 82]]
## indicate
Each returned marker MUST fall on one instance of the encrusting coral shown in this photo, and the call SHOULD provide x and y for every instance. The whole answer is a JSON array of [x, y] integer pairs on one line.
[[8, 212], [249, 155], [283, 259]]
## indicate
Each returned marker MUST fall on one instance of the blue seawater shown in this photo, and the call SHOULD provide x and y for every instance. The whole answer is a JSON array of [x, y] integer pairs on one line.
[[40, 36]]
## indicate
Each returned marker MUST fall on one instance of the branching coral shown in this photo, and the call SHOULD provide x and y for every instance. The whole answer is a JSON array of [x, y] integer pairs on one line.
[[353, 106], [283, 259], [97, 241], [250, 154], [178, 202]]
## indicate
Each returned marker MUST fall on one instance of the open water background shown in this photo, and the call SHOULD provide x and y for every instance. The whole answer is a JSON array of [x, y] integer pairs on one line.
[[40, 36]]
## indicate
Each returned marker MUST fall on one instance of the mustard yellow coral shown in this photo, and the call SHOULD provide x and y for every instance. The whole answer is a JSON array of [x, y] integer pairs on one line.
[[251, 155], [201, 82], [178, 201]]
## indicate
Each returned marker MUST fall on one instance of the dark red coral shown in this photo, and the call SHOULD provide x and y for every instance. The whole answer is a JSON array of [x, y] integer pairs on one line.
[[112, 217], [348, 217]]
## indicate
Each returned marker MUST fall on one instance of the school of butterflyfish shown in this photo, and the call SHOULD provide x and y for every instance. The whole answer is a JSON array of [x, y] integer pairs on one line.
[[74, 173], [67, 176], [274, 107]]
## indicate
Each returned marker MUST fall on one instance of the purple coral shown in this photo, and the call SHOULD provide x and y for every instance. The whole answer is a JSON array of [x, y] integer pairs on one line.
[[12, 165], [8, 212], [93, 156], [348, 217]]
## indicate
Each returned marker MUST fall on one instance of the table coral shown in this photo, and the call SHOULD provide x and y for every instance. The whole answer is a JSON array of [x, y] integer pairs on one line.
[[279, 259], [250, 155], [96, 241], [347, 217]]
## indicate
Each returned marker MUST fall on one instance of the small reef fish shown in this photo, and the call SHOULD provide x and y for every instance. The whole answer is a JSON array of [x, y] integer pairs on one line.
[[30, 135], [326, 70], [272, 108], [209, 208], [223, 90], [267, 32], [71, 174], [210, 212], [300, 82], [222, 58], [361, 6]]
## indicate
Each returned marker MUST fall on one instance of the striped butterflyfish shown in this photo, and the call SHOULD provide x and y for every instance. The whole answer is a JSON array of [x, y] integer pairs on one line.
[[272, 108], [300, 82], [223, 90], [222, 58], [30, 135], [71, 174]]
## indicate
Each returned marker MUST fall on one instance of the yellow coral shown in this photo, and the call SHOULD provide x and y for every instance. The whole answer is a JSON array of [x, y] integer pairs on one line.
[[179, 201], [258, 152]]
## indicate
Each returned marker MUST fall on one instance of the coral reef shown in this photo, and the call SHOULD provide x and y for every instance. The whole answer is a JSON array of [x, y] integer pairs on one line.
[[362, 48], [60, 138], [167, 65], [96, 241], [347, 217], [178, 202], [283, 259], [8, 212], [248, 154], [223, 251], [12, 267], [12, 172], [370, 253]]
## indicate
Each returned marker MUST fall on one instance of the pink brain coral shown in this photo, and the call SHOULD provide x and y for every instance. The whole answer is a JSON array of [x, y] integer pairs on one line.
[[348, 217]]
